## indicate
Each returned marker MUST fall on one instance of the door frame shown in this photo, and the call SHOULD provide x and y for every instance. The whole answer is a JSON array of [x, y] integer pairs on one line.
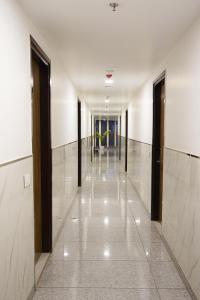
[[126, 141], [157, 185], [46, 148], [79, 146], [120, 138], [91, 138]]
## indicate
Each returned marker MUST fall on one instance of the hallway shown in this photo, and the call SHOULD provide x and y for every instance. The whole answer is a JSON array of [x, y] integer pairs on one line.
[[108, 248]]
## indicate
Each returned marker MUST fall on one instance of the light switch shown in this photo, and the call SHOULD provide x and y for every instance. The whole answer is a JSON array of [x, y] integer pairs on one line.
[[27, 180]]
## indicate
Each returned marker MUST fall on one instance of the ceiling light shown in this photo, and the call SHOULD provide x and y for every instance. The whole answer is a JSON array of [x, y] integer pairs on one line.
[[109, 81], [106, 253], [107, 100], [106, 220], [74, 220], [137, 221], [104, 178]]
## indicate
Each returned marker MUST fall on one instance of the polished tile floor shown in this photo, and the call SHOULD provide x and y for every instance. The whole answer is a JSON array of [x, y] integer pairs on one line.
[[108, 248]]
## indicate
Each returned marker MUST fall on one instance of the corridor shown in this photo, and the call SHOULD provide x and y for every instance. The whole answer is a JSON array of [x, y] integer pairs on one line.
[[108, 248]]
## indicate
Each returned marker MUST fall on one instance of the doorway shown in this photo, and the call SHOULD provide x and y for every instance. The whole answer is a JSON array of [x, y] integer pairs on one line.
[[126, 142], [103, 130], [112, 133], [42, 153], [79, 146], [157, 148]]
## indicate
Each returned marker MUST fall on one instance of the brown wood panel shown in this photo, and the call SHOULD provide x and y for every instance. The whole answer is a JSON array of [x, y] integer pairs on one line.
[[162, 107], [157, 149], [37, 157], [126, 142], [79, 146], [42, 153]]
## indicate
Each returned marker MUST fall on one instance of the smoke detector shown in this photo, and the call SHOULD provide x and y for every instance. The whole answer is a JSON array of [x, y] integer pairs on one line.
[[114, 5]]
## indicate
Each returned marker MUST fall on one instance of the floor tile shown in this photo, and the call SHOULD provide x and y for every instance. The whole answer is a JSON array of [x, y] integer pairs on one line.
[[95, 294], [99, 251], [100, 208], [156, 251], [173, 294], [100, 229], [166, 275], [149, 234], [112, 274]]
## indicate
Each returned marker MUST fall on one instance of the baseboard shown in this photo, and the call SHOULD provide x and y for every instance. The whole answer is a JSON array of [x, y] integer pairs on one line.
[[31, 294], [180, 271], [169, 250]]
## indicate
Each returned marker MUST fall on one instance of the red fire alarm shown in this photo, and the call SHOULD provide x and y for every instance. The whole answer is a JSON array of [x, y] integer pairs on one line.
[[109, 75]]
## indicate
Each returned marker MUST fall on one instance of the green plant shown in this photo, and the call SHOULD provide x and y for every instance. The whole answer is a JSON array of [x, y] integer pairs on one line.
[[101, 137]]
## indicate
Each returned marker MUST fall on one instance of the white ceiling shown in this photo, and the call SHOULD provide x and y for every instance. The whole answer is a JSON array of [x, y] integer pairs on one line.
[[91, 39]]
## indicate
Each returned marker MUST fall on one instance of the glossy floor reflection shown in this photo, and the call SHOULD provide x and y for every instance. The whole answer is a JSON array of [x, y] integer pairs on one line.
[[108, 248]]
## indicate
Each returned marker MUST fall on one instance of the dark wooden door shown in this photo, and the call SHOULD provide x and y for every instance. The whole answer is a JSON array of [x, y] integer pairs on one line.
[[79, 146], [126, 141], [97, 130], [120, 139], [42, 154], [91, 138], [157, 150], [37, 158], [116, 133]]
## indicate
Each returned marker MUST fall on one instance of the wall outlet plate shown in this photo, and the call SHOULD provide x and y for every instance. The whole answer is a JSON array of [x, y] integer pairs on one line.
[[27, 180]]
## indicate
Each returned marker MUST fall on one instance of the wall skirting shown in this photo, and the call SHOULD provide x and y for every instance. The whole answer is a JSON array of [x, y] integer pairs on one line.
[[181, 204], [15, 160], [31, 294]]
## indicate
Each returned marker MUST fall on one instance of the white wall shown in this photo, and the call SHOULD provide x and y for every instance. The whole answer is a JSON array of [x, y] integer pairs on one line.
[[64, 109], [85, 120], [182, 109], [123, 126], [140, 116], [183, 94], [15, 90]]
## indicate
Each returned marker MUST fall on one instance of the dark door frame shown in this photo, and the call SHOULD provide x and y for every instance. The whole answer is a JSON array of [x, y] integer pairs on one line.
[[79, 146], [126, 141], [91, 139], [46, 149], [157, 152], [120, 138]]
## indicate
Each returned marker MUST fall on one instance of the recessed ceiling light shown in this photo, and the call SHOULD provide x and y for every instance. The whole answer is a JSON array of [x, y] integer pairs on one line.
[[109, 81], [107, 100], [106, 253], [106, 221]]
